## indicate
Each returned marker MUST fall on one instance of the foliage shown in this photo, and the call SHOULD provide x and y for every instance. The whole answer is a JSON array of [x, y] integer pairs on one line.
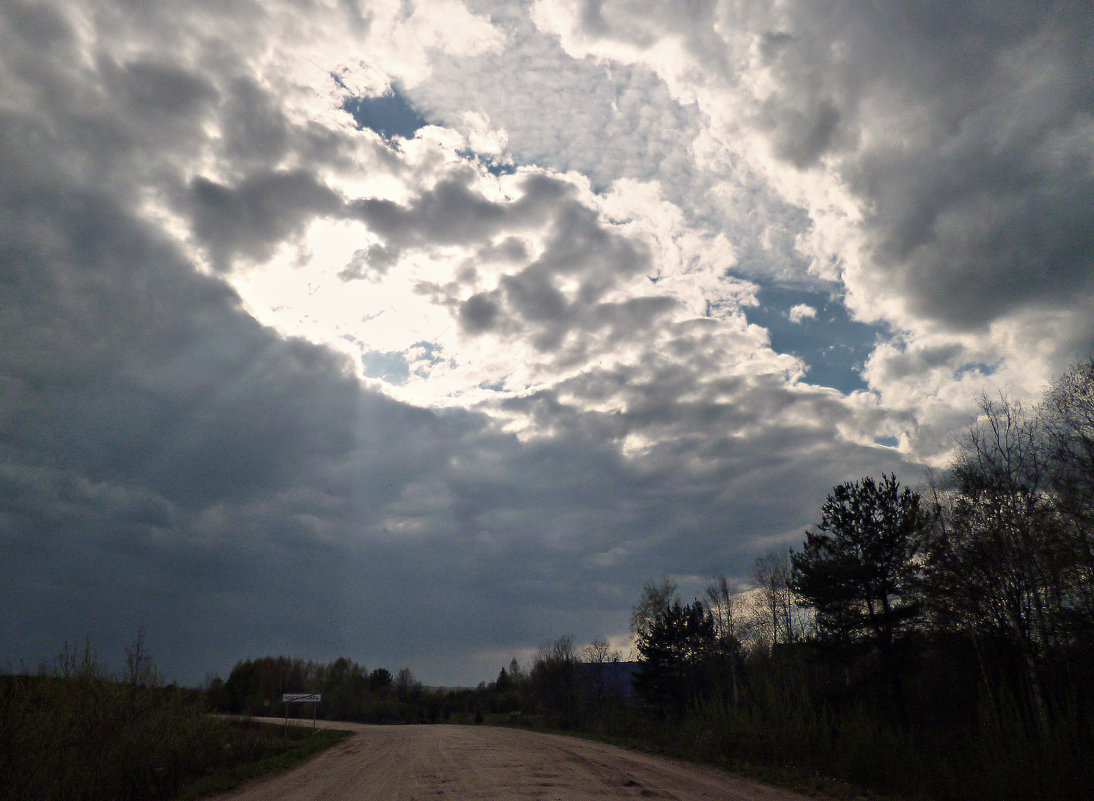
[[74, 731], [554, 682], [678, 649], [858, 567], [349, 691], [259, 749], [971, 616], [1008, 567], [656, 597]]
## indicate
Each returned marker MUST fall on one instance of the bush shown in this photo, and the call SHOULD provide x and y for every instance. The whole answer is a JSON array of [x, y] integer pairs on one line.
[[74, 732]]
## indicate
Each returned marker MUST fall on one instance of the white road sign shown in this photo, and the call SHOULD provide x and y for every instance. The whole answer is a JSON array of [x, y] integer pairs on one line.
[[300, 698]]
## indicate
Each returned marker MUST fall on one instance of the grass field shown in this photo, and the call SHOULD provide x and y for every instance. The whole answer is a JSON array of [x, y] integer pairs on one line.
[[75, 732]]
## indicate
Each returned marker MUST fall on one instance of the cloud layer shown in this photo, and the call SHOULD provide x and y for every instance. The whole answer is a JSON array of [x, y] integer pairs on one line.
[[645, 287]]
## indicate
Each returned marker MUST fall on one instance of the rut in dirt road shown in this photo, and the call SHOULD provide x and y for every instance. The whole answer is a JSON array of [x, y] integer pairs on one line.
[[417, 763]]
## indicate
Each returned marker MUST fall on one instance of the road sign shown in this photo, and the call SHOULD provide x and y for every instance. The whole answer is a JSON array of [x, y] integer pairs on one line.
[[300, 698]]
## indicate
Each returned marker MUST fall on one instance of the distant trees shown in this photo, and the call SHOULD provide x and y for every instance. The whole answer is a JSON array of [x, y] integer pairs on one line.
[[379, 679], [555, 681], [254, 687], [678, 652], [406, 684], [599, 659], [349, 690]]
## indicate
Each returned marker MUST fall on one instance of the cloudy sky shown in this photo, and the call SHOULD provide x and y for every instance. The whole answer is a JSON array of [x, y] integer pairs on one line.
[[425, 332]]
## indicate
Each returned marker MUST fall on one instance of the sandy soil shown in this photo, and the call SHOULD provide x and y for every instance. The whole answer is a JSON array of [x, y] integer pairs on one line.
[[415, 763]]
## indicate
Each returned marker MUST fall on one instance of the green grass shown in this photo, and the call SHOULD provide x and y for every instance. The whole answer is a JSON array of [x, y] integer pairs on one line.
[[280, 749], [76, 732], [671, 744]]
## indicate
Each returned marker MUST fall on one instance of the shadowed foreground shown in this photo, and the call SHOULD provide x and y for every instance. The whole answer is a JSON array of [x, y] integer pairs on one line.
[[401, 763]]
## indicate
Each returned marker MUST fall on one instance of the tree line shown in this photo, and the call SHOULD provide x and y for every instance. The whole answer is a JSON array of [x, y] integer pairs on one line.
[[929, 642], [935, 642], [349, 691]]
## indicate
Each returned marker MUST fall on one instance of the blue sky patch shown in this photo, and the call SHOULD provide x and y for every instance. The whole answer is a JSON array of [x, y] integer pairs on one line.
[[833, 346], [389, 115], [426, 355], [490, 163], [389, 366]]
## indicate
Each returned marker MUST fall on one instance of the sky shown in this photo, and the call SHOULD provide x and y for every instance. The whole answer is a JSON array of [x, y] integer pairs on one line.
[[424, 333]]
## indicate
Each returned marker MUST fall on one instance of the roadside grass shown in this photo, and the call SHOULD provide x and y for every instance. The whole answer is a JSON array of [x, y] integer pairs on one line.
[[263, 749], [76, 732], [668, 743]]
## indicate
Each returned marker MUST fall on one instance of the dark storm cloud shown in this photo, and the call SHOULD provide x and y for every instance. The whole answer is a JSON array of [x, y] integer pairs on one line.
[[452, 212], [168, 462], [154, 88], [963, 127], [253, 217], [478, 313], [984, 202], [255, 128], [37, 24], [802, 136], [527, 298]]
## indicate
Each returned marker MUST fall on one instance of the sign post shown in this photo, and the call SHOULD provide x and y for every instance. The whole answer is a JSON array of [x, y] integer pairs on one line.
[[300, 698]]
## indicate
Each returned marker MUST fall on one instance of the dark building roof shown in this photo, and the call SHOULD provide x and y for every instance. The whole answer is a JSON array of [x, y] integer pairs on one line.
[[618, 677]]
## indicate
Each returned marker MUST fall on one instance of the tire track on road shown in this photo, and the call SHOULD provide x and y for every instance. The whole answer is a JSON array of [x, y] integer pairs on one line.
[[485, 763]]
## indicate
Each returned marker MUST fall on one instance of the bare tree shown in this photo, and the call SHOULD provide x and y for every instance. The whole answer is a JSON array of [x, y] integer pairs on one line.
[[554, 680], [998, 558], [600, 652], [598, 655], [1068, 427], [656, 598], [721, 604], [782, 619]]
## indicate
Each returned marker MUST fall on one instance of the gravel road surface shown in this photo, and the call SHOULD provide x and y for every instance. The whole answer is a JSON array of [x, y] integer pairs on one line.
[[420, 763]]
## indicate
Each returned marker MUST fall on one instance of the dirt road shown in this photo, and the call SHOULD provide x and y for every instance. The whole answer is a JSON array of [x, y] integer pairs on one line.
[[416, 763]]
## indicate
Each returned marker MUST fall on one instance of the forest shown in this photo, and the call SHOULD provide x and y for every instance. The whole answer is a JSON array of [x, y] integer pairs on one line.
[[930, 642]]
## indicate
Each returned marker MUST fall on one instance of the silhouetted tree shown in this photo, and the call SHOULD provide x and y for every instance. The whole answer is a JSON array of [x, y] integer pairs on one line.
[[379, 679], [554, 679], [858, 569], [1005, 567], [722, 606], [676, 651]]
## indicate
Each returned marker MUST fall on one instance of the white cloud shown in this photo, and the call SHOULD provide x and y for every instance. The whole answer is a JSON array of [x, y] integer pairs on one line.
[[801, 311]]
